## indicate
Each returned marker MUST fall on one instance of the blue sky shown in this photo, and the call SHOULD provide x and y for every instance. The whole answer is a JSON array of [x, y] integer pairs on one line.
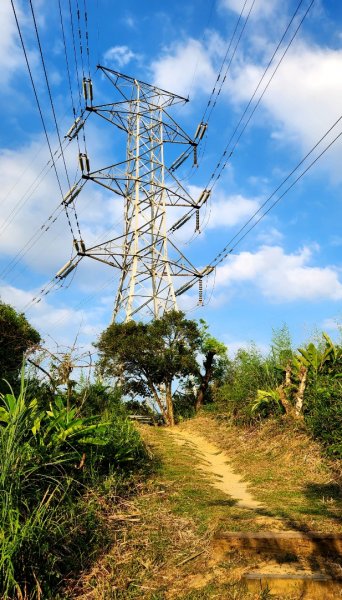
[[288, 268]]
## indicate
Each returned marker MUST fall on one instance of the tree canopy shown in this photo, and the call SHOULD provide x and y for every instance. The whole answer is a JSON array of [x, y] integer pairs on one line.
[[16, 337], [148, 358]]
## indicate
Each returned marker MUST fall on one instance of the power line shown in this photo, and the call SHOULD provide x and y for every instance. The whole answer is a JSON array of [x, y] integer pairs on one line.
[[68, 70], [87, 34], [32, 241], [210, 14], [80, 37], [36, 96], [222, 163], [229, 247], [226, 155], [54, 114], [30, 190], [75, 55], [232, 57]]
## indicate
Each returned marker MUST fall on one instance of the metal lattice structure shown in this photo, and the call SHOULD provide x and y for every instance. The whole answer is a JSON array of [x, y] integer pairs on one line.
[[150, 264]]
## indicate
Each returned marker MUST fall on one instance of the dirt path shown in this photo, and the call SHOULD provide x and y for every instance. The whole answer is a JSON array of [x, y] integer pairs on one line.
[[211, 460]]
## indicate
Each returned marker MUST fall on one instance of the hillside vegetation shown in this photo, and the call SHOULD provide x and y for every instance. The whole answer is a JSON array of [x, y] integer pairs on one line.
[[85, 492]]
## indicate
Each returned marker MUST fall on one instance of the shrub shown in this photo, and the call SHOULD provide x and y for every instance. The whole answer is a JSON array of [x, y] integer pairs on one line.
[[323, 413], [47, 460], [16, 337], [246, 373]]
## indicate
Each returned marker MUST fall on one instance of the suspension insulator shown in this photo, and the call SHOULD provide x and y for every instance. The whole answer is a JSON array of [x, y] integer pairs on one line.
[[197, 228], [200, 292], [180, 222], [75, 128], [200, 131], [195, 157], [204, 197], [64, 271], [84, 163], [87, 86], [71, 195], [182, 158]]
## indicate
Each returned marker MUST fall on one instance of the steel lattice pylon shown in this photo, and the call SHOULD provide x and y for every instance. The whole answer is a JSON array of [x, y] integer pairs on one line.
[[148, 259]]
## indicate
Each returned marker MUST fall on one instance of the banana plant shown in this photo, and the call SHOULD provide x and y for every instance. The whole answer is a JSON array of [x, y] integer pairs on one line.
[[327, 361]]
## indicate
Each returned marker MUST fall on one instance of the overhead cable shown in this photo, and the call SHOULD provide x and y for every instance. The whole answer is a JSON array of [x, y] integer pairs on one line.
[[226, 155], [54, 114], [231, 245]]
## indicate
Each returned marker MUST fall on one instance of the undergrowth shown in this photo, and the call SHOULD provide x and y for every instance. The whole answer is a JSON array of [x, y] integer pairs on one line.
[[51, 462]]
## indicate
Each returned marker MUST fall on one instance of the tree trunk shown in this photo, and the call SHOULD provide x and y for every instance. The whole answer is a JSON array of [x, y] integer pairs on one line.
[[169, 404], [158, 401], [288, 370], [303, 373], [208, 366], [287, 406]]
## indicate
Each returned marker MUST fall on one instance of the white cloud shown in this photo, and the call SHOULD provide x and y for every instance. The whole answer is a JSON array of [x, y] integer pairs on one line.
[[281, 277], [186, 65], [54, 247], [271, 236], [11, 57], [261, 9], [119, 56], [60, 322], [333, 324], [303, 98], [227, 211]]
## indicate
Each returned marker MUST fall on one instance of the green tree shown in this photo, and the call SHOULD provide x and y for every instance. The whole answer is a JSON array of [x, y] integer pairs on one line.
[[215, 363], [17, 336], [148, 358]]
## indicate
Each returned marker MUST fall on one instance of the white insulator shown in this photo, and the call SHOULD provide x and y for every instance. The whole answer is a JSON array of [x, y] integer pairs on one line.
[[207, 270], [84, 163], [203, 129], [87, 85], [71, 195], [90, 90], [197, 130], [184, 288], [75, 128], [65, 269], [200, 131], [85, 90], [181, 222], [204, 197], [178, 162]]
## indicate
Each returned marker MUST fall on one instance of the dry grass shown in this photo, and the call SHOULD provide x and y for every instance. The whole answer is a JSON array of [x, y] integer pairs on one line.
[[285, 470], [163, 546]]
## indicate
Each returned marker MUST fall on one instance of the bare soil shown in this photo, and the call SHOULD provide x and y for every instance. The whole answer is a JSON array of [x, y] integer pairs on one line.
[[215, 463]]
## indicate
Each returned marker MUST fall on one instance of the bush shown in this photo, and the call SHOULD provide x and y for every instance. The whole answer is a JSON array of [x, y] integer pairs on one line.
[[323, 413], [17, 336], [246, 373], [48, 459]]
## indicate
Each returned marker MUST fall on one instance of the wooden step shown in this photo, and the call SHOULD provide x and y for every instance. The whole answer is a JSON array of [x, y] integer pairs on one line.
[[295, 543], [311, 586]]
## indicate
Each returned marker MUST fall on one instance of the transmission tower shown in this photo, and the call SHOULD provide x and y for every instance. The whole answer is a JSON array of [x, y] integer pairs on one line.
[[149, 261]]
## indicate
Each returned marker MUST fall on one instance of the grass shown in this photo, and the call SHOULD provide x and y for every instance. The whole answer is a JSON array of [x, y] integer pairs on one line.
[[163, 545], [285, 469]]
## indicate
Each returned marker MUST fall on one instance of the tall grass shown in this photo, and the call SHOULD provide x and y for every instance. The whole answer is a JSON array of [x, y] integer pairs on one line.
[[48, 460]]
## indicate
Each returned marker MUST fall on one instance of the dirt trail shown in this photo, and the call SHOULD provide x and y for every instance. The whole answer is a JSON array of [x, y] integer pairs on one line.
[[213, 461]]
